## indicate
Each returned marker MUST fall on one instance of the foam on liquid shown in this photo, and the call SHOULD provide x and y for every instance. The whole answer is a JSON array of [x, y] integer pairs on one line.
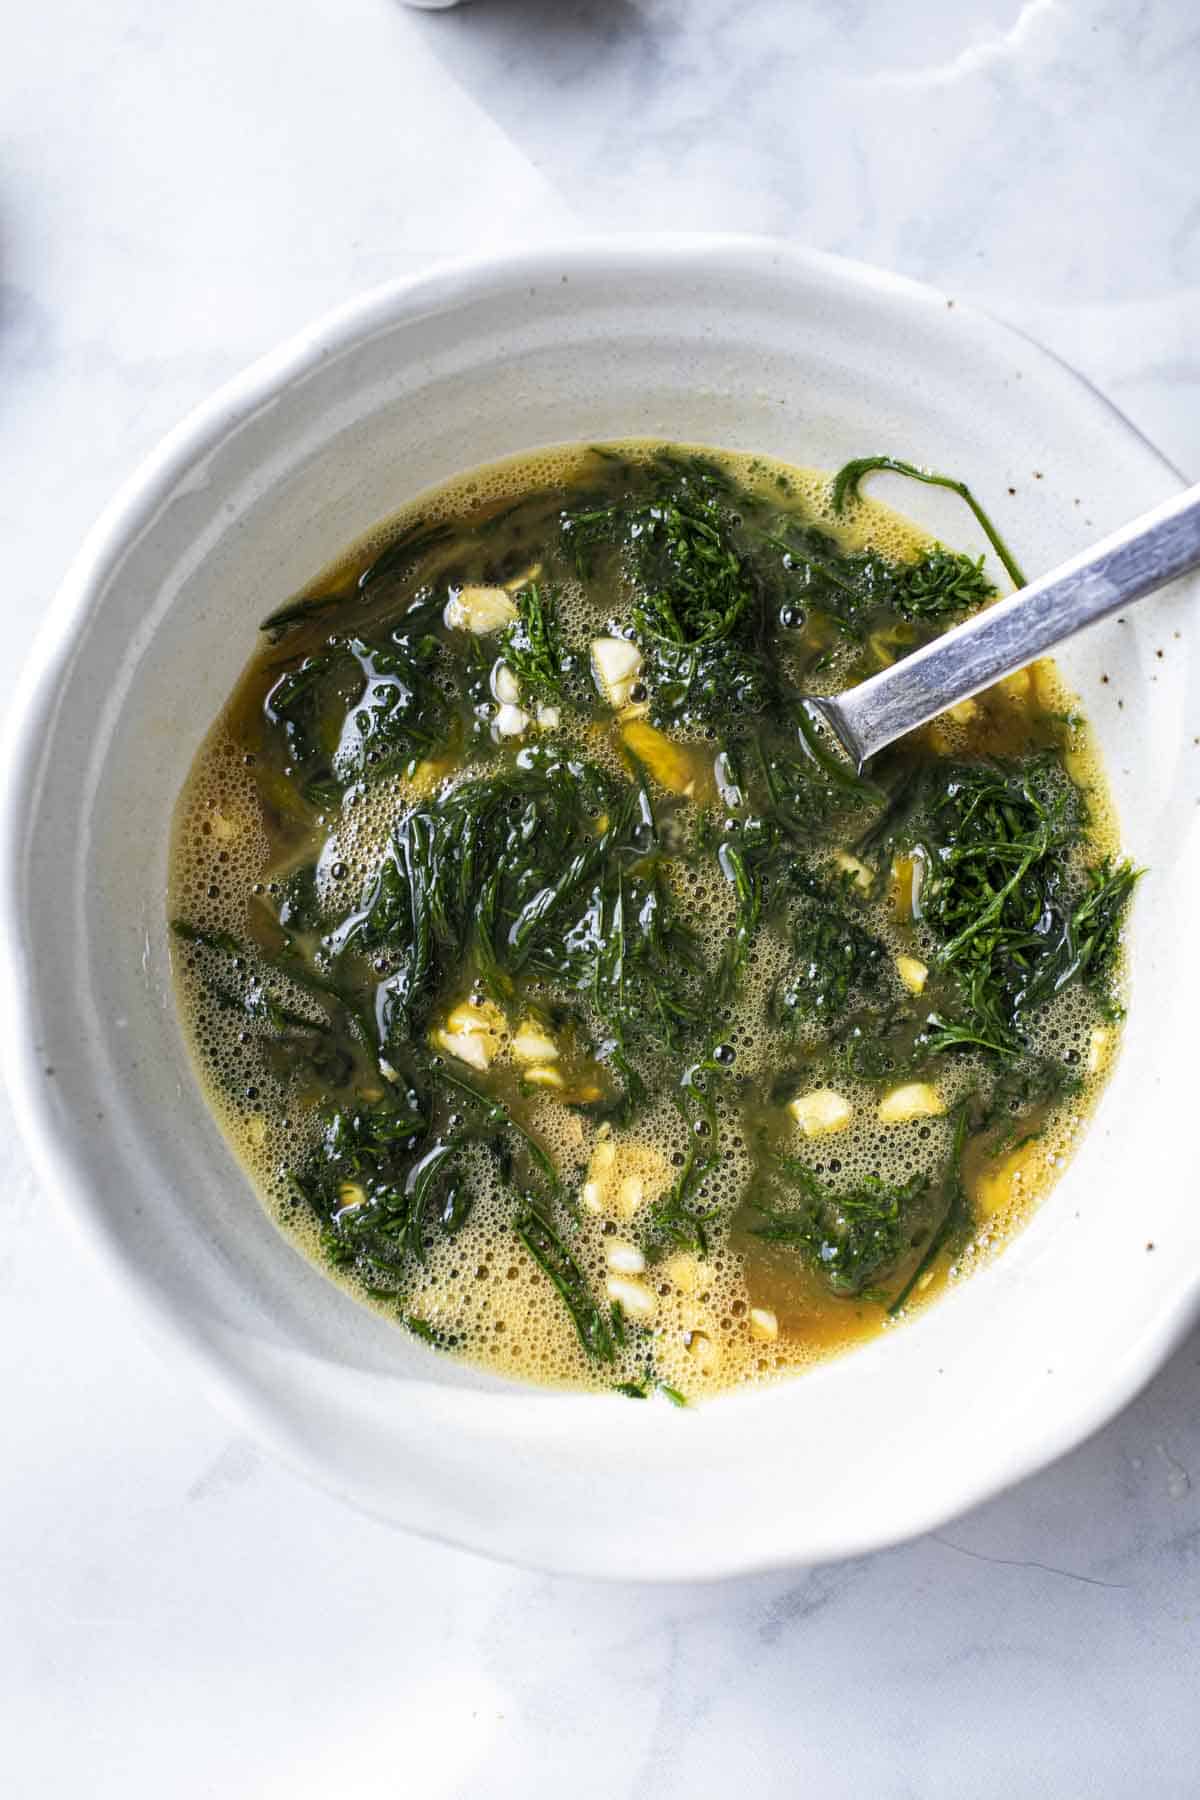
[[479, 1288]]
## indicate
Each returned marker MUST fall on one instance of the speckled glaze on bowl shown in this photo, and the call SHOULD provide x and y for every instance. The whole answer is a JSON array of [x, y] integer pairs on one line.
[[735, 342]]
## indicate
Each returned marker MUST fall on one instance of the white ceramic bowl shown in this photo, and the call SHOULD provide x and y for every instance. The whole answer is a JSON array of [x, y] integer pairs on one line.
[[724, 341]]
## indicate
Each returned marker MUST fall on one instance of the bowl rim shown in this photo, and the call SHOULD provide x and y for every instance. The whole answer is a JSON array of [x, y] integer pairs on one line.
[[64, 1171]]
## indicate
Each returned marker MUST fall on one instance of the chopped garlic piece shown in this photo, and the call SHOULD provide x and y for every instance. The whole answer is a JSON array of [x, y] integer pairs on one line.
[[549, 718], [916, 1100], [223, 827], [850, 865], [479, 609], [469, 1049], [1099, 1048], [820, 1112], [631, 1296], [684, 1272], [625, 1259], [763, 1324], [622, 1177], [913, 973], [616, 665], [963, 712], [505, 686], [630, 1195], [471, 1033], [510, 721], [531, 1044], [543, 1076], [599, 1170], [350, 1195]]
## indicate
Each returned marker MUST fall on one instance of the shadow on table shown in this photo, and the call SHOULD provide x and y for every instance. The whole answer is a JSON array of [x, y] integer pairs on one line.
[[1022, 1628], [524, 29], [24, 327], [541, 67]]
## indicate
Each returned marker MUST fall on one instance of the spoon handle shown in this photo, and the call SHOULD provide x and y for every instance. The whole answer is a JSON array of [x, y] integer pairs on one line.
[[1133, 561]]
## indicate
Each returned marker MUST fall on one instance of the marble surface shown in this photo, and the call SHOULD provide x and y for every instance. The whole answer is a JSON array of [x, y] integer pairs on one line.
[[180, 186]]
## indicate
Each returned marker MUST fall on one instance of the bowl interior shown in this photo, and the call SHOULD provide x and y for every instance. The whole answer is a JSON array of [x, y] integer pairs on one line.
[[730, 343]]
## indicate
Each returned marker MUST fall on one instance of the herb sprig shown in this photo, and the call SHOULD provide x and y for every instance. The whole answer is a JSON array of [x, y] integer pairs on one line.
[[848, 478], [852, 1238]]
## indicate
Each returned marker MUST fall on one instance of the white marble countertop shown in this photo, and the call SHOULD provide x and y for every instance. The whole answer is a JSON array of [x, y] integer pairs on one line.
[[180, 186]]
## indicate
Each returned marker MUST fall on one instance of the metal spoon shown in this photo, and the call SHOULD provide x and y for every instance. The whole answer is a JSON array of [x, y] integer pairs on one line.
[[1134, 561]]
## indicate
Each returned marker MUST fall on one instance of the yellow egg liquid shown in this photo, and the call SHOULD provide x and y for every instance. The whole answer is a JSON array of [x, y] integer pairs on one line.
[[283, 803]]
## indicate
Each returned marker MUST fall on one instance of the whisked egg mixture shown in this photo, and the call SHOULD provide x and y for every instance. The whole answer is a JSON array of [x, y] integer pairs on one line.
[[562, 990]]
